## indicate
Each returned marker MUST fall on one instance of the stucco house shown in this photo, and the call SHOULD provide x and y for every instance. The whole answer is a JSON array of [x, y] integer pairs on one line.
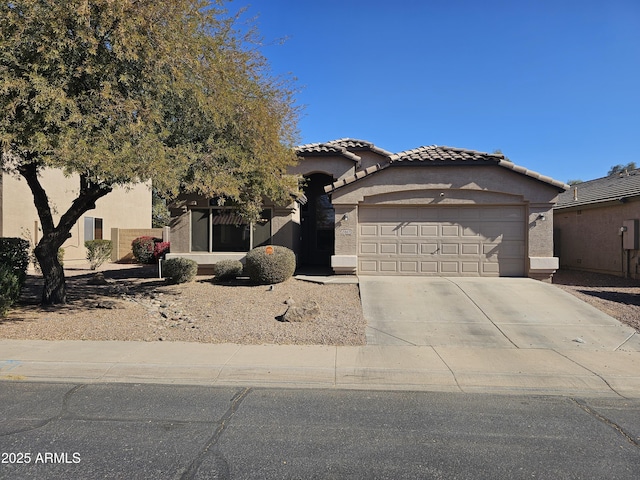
[[123, 208], [433, 210], [596, 225]]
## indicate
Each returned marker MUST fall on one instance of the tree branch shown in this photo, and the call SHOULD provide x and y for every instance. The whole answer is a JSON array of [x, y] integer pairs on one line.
[[40, 199]]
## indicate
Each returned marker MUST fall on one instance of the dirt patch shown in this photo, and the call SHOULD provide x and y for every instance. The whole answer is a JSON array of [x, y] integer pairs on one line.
[[615, 296], [132, 304]]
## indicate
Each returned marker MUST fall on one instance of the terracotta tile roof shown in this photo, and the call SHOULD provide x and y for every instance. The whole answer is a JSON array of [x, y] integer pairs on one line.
[[435, 155], [325, 149], [358, 175], [613, 188], [355, 144]]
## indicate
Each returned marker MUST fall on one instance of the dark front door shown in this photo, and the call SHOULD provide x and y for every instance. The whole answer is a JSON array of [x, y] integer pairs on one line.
[[318, 222]]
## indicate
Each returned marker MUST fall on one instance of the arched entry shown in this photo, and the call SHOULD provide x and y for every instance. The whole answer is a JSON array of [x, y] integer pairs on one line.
[[318, 222]]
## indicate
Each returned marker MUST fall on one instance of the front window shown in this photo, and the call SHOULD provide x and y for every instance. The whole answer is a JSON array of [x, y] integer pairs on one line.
[[92, 228], [222, 230]]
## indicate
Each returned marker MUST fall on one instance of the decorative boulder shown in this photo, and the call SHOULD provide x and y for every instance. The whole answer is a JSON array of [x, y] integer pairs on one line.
[[307, 312]]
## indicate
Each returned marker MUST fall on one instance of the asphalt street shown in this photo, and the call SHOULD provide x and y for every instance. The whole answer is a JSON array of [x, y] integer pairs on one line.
[[67, 430]]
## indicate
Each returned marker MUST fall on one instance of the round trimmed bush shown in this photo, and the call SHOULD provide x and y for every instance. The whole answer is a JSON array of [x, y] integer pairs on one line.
[[179, 270], [264, 269], [142, 248], [227, 269]]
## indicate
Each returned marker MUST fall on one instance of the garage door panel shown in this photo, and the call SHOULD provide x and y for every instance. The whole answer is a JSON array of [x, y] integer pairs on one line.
[[450, 230], [474, 241], [490, 249], [511, 249], [389, 230], [368, 248], [409, 267], [429, 230], [388, 266], [470, 249], [389, 248], [409, 248], [471, 230], [369, 230], [367, 266], [449, 267], [428, 248], [450, 249], [490, 268], [512, 231], [470, 267], [429, 267], [409, 231]]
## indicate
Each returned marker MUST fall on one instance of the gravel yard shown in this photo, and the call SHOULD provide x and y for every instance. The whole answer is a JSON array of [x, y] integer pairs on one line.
[[132, 304], [615, 296]]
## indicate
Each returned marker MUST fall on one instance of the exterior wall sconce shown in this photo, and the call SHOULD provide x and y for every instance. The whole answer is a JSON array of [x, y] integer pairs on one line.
[[345, 217], [542, 217]]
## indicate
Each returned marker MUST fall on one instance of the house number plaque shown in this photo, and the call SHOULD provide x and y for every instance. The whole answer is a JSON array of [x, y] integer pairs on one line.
[[346, 231]]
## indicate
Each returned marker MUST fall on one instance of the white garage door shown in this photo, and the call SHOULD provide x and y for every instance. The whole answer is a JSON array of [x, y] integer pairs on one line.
[[445, 241]]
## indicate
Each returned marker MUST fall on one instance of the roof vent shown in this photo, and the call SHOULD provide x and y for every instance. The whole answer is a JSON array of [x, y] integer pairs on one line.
[[575, 193]]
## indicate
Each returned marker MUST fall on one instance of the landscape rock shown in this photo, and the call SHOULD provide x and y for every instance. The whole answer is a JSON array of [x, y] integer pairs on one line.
[[98, 279], [108, 305], [306, 312]]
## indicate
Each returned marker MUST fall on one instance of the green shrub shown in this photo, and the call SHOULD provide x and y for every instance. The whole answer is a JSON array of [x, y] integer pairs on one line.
[[98, 252], [227, 269], [143, 248], [264, 268], [179, 270], [14, 253], [10, 286]]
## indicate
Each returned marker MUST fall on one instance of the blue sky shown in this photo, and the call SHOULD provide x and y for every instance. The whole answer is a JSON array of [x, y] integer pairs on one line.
[[554, 84]]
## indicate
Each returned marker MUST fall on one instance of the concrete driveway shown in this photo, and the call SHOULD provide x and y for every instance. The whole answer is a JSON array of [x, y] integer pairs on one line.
[[506, 313]]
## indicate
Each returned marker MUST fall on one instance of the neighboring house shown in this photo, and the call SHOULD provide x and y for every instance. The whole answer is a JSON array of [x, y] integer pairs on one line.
[[122, 208], [430, 211], [596, 226]]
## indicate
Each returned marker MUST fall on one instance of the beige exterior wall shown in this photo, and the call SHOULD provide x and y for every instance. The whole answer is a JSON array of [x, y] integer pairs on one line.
[[368, 159], [448, 186], [589, 238], [338, 167], [122, 208]]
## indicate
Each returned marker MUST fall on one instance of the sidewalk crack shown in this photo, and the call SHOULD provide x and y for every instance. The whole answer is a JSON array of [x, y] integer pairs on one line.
[[453, 374], [591, 371]]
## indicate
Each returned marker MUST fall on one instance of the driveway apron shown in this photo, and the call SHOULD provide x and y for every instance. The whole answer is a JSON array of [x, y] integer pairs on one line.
[[486, 312]]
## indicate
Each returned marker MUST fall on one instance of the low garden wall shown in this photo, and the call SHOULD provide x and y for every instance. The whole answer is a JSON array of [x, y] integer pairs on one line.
[[122, 238]]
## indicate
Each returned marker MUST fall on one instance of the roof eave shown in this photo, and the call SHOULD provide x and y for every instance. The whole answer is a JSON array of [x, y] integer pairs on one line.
[[561, 186]]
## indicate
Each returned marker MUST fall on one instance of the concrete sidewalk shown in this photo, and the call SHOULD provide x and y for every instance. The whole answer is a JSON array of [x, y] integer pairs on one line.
[[543, 371]]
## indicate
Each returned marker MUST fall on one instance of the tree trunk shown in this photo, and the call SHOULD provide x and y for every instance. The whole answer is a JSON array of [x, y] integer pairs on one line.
[[53, 236], [55, 289]]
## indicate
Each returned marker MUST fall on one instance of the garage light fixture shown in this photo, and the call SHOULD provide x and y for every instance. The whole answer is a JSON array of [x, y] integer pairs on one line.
[[542, 217]]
